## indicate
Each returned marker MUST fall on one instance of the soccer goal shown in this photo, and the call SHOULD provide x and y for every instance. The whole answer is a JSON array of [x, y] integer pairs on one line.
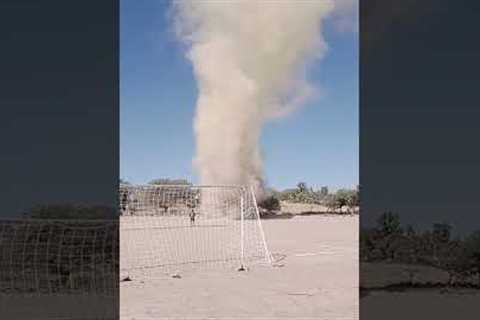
[[170, 228], [50, 267], [58, 257]]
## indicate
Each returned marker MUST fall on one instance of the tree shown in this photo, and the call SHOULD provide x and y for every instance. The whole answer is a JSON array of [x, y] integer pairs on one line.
[[301, 194], [302, 187], [324, 191]]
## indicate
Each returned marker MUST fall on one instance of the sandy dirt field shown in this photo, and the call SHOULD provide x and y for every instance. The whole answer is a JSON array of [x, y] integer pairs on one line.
[[432, 304], [49, 307], [316, 277]]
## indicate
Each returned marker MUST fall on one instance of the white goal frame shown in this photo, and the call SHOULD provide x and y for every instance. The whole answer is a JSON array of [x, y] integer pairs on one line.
[[156, 234]]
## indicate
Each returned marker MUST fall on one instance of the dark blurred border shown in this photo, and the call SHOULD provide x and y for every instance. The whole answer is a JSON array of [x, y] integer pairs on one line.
[[59, 118], [419, 160]]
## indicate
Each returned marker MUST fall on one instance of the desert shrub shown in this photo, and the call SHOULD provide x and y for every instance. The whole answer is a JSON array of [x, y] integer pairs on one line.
[[347, 198], [332, 203], [389, 242], [270, 203], [451, 256], [301, 194]]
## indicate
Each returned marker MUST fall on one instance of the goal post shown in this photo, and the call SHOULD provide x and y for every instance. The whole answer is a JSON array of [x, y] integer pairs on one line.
[[174, 227], [242, 233], [268, 254]]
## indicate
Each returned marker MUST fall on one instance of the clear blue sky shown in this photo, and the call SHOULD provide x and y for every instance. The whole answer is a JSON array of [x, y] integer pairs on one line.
[[317, 144]]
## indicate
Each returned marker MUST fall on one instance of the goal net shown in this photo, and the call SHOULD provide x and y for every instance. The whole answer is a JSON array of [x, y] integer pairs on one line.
[[171, 228], [58, 266]]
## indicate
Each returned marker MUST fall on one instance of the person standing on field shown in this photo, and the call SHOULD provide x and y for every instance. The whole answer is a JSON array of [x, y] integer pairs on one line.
[[192, 217], [192, 206]]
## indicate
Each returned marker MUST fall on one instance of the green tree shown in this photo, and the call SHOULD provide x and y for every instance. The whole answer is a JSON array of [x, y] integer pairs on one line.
[[302, 187]]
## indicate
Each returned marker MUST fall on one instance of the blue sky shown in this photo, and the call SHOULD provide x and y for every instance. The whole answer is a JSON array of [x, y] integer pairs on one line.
[[317, 144]]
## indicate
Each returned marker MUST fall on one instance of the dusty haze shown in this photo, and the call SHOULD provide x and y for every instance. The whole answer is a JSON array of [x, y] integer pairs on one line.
[[250, 60]]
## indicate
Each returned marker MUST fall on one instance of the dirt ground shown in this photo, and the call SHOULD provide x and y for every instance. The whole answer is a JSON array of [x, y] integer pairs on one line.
[[432, 304], [400, 303], [316, 277]]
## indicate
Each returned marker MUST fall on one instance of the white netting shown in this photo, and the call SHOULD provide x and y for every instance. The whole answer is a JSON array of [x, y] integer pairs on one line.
[[58, 262], [176, 227]]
